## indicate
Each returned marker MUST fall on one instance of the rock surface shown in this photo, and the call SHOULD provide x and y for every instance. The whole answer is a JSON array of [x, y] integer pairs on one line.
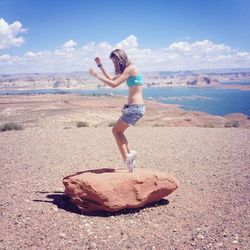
[[109, 189]]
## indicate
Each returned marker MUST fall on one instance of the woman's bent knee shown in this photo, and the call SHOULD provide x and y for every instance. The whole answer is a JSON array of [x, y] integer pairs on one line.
[[116, 132], [119, 128]]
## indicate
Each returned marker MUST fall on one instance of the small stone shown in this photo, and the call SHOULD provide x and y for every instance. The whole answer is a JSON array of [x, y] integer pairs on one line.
[[200, 237], [62, 235], [209, 246], [89, 232], [174, 230], [219, 244], [55, 209], [236, 236], [86, 224], [235, 241]]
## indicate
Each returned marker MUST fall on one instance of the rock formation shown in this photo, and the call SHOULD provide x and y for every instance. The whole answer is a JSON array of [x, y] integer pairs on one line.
[[110, 189]]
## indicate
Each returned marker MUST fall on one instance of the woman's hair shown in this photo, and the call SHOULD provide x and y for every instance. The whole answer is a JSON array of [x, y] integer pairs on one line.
[[122, 60]]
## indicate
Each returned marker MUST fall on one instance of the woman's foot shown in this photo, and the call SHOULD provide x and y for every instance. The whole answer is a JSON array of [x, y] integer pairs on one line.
[[134, 154], [130, 160]]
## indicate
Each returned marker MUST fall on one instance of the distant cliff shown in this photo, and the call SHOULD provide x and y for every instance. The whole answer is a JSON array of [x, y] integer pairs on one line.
[[82, 79]]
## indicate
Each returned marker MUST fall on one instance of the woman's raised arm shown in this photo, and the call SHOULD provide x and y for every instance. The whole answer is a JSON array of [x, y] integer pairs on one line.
[[99, 64]]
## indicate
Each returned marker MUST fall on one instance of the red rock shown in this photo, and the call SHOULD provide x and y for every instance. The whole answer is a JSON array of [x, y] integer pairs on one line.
[[110, 189]]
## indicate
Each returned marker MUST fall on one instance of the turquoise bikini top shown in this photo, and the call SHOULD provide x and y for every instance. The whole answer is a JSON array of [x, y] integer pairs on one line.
[[134, 80]]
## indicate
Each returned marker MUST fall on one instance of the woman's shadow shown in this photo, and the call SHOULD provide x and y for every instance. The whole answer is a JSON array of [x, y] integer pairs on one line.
[[63, 202]]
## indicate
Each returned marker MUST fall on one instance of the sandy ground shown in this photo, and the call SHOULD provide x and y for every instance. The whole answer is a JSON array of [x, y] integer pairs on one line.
[[209, 210]]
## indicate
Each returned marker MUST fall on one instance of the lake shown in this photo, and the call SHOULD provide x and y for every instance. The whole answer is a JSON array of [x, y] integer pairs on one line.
[[236, 83], [214, 101]]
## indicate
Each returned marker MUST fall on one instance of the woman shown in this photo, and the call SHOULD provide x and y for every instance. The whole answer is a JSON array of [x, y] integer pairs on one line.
[[134, 109]]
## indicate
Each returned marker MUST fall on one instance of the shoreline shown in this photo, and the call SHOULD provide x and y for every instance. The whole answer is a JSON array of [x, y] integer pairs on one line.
[[67, 91], [64, 110]]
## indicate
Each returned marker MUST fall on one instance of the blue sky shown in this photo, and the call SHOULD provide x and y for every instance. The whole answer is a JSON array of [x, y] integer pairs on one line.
[[149, 28]]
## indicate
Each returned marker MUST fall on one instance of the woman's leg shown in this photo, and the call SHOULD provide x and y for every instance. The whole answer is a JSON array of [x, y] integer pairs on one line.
[[121, 139]]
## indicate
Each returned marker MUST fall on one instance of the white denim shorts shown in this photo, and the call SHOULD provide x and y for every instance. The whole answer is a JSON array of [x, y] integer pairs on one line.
[[132, 113]]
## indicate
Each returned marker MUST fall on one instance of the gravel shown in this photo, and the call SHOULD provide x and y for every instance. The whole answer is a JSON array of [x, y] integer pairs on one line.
[[209, 210]]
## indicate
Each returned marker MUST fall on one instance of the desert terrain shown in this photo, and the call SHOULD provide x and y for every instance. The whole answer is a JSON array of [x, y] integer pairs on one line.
[[65, 110], [209, 210]]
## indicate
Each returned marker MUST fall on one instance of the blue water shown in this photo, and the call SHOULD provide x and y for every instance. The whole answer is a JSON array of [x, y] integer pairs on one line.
[[211, 100], [237, 83]]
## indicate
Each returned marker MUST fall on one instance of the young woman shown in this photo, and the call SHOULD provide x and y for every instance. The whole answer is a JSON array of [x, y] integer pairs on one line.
[[134, 109]]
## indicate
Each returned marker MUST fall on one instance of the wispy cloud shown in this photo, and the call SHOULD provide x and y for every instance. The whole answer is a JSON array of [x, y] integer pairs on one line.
[[69, 44], [10, 34], [180, 55]]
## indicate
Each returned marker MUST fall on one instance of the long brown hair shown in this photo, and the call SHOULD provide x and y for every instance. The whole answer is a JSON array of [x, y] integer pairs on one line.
[[122, 60]]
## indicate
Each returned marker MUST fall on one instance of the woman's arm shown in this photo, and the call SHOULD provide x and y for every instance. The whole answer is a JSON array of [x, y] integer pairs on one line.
[[107, 75], [99, 64], [110, 82]]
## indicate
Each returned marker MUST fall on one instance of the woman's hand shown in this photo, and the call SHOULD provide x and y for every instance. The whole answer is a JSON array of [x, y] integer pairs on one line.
[[98, 61], [93, 72]]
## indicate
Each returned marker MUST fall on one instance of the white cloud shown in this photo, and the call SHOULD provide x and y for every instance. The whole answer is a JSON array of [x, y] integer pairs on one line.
[[89, 46], [105, 46], [64, 52], [69, 44], [5, 58], [180, 55], [30, 54], [127, 43], [37, 54], [203, 47], [10, 34]]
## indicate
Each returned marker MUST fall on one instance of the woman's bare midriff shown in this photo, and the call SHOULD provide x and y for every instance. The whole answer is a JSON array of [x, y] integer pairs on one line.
[[135, 95]]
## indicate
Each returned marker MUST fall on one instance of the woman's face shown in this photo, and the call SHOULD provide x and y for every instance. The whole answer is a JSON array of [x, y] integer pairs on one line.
[[114, 60]]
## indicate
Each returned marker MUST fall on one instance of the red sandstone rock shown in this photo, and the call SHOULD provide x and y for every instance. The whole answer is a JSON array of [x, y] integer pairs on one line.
[[115, 189]]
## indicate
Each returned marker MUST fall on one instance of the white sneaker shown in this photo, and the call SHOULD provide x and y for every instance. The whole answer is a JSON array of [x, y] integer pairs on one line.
[[134, 154], [130, 160]]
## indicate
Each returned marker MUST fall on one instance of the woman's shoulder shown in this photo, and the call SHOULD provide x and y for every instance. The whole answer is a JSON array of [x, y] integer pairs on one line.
[[131, 70]]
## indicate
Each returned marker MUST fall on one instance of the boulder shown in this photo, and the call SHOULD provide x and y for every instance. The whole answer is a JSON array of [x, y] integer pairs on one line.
[[109, 189]]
